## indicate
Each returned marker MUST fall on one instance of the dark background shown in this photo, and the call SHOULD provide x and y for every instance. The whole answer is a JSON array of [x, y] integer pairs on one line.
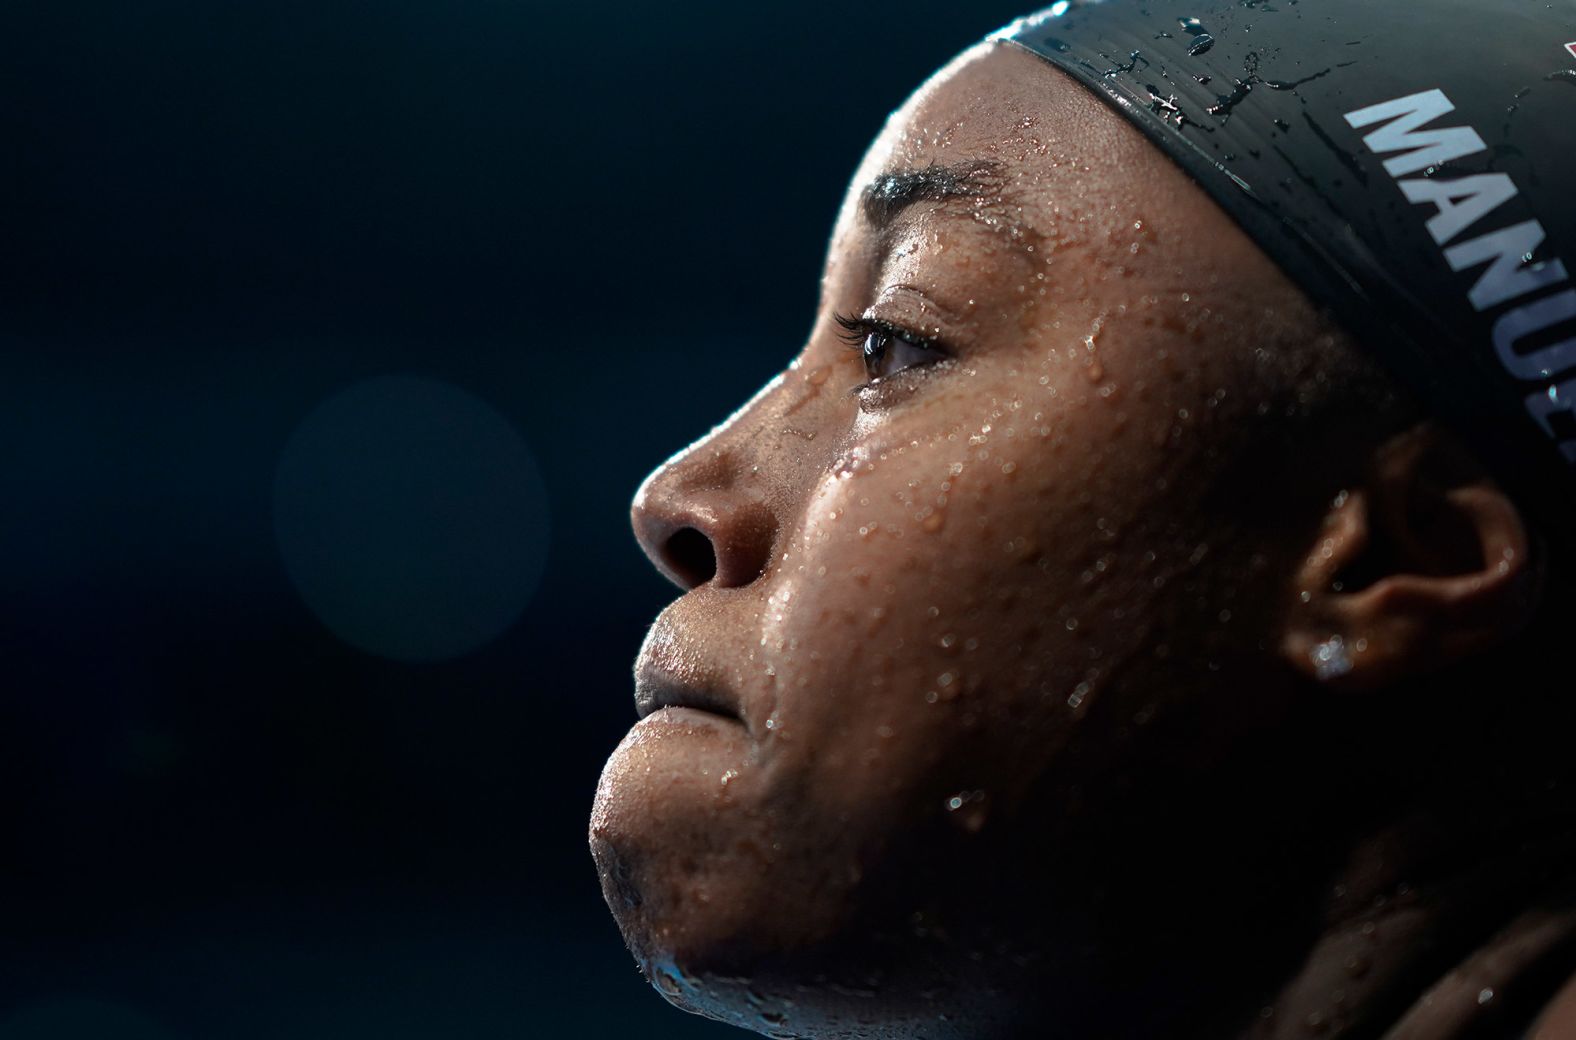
[[604, 224]]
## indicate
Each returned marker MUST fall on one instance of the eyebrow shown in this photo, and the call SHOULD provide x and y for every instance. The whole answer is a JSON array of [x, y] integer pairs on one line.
[[892, 192]]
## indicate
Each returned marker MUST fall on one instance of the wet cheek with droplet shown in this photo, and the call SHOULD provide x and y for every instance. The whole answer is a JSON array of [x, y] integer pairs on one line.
[[926, 609], [971, 572]]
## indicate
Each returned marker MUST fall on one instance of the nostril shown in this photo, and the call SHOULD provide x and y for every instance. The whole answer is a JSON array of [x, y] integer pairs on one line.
[[689, 554]]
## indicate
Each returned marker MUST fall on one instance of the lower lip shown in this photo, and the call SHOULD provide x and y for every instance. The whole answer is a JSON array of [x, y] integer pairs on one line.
[[679, 718]]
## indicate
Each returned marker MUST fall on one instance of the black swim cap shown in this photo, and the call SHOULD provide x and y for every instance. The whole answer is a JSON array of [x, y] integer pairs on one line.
[[1407, 163]]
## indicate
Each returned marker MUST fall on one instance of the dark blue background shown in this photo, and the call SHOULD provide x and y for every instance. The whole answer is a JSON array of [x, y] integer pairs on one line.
[[605, 221]]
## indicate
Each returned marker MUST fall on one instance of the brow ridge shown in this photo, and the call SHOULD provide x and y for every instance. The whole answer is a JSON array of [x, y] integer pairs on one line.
[[893, 191]]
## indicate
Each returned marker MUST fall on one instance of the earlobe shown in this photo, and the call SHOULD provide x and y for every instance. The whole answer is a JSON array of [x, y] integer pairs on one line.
[[1428, 563]]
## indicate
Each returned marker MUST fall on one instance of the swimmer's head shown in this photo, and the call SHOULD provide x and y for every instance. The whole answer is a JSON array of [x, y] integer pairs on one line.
[[1020, 609]]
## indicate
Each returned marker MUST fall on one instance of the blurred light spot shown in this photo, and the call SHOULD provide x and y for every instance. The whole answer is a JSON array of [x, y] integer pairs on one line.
[[411, 518], [73, 1018]]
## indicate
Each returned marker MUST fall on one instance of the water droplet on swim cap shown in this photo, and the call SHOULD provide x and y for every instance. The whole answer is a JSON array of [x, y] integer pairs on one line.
[[1381, 171]]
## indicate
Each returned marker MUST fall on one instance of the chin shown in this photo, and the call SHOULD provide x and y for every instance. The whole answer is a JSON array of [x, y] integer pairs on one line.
[[697, 866], [755, 966], [736, 912]]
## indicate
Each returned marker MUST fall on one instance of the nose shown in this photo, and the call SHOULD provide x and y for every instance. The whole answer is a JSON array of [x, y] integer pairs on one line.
[[701, 519]]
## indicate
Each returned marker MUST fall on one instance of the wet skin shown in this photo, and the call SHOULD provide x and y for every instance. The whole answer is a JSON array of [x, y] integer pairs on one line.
[[991, 643]]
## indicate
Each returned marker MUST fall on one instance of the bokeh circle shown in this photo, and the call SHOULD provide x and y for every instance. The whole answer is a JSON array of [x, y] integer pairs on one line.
[[411, 518]]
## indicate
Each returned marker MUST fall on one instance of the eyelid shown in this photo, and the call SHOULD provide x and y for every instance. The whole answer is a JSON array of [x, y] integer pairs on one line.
[[909, 297], [855, 329], [854, 332]]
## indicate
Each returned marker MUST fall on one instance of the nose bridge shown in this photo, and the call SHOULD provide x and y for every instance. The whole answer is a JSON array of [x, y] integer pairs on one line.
[[712, 512], [726, 456]]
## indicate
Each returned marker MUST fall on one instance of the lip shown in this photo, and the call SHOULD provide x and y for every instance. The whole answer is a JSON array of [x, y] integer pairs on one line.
[[656, 689]]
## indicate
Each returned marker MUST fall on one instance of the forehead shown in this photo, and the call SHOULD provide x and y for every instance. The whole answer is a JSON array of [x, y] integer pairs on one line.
[[1049, 140], [1066, 170]]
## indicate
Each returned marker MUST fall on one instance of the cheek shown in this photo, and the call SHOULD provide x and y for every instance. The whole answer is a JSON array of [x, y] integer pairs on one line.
[[928, 635]]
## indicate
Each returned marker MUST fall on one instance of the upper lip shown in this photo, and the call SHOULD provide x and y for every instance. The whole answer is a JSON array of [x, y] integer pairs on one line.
[[655, 689]]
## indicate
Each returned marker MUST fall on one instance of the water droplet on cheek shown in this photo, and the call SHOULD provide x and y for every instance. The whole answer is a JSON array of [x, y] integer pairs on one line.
[[1076, 698], [968, 810]]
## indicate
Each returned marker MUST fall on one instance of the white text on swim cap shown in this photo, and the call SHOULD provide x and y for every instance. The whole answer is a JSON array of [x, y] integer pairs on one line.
[[1459, 204]]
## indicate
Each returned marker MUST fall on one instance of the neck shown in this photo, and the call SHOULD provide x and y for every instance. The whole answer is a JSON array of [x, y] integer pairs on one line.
[[1440, 926]]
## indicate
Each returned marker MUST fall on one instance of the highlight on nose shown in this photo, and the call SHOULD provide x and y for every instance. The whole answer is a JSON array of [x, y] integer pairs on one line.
[[719, 536]]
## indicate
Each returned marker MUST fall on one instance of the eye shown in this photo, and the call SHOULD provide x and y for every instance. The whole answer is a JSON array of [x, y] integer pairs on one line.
[[885, 348]]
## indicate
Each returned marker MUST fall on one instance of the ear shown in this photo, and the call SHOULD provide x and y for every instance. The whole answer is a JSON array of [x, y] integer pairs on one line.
[[1426, 563]]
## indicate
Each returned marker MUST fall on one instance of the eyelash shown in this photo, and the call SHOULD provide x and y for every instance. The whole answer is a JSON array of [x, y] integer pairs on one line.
[[857, 331]]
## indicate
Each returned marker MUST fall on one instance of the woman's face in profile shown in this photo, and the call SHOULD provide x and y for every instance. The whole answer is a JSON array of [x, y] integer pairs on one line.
[[955, 581]]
